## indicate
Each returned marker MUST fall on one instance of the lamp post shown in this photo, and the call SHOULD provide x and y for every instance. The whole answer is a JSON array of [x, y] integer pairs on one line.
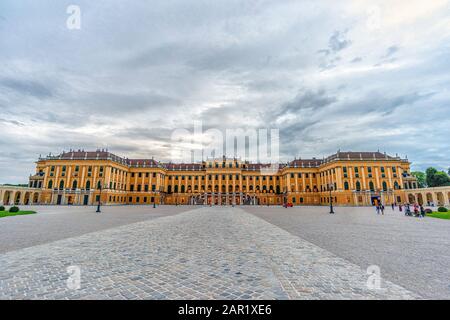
[[99, 198], [331, 200]]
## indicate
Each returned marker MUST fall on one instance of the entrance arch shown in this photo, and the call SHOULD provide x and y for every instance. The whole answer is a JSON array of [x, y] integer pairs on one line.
[[17, 198], [7, 197], [36, 198], [420, 198], [411, 198], [429, 198], [26, 199], [440, 198]]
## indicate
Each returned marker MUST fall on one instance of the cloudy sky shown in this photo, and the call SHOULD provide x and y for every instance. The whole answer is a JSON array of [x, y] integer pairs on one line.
[[350, 75]]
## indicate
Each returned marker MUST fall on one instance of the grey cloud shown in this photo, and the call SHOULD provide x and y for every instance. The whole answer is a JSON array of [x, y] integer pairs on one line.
[[390, 51], [27, 87], [14, 122], [338, 41], [306, 100]]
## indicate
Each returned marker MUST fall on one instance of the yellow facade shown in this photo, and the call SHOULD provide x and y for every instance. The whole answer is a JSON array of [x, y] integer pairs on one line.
[[352, 178]]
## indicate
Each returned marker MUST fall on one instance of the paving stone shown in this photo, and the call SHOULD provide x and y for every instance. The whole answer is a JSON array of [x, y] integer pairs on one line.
[[211, 253]]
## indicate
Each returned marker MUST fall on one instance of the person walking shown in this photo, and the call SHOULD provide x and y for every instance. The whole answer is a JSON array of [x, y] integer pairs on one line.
[[400, 208], [393, 206], [377, 208], [407, 210], [422, 211], [416, 210], [382, 209]]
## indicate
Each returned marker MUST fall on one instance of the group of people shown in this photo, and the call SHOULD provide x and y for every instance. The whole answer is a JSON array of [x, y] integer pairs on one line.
[[415, 210]]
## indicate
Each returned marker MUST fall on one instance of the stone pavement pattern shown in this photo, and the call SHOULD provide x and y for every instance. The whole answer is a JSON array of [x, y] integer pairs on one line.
[[60, 222], [411, 252], [207, 253]]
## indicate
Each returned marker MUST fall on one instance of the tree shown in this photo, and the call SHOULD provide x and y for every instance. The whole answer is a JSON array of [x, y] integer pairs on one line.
[[421, 178], [430, 172], [436, 178]]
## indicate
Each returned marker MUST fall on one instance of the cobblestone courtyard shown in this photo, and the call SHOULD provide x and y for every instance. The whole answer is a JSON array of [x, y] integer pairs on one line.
[[209, 253]]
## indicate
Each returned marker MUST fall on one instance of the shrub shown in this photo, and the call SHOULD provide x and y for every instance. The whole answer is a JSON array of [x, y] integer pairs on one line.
[[442, 209], [14, 209], [428, 211], [2, 208]]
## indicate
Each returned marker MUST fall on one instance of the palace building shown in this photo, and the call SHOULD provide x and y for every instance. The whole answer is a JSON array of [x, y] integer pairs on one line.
[[346, 178]]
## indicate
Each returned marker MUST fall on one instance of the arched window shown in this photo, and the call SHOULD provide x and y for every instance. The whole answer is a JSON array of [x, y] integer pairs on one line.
[[99, 185], [346, 187], [371, 186], [50, 184], [176, 189], [169, 189], [384, 186], [358, 186], [396, 186], [74, 184], [61, 185], [182, 188], [88, 185]]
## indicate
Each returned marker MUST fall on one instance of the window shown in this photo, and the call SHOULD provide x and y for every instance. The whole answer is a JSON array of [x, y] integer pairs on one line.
[[346, 187], [371, 186], [77, 168], [146, 188], [61, 185], [50, 184], [132, 187], [88, 185], [358, 186], [74, 184], [384, 186]]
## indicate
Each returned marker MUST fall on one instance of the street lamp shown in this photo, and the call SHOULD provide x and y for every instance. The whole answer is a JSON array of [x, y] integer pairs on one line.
[[331, 199], [99, 198]]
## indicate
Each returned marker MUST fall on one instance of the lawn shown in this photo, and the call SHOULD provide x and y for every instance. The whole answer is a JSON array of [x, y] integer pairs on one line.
[[20, 213], [440, 215]]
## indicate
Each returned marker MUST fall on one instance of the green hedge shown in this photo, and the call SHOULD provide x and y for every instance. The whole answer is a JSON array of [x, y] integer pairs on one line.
[[442, 209], [14, 209], [2, 208]]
